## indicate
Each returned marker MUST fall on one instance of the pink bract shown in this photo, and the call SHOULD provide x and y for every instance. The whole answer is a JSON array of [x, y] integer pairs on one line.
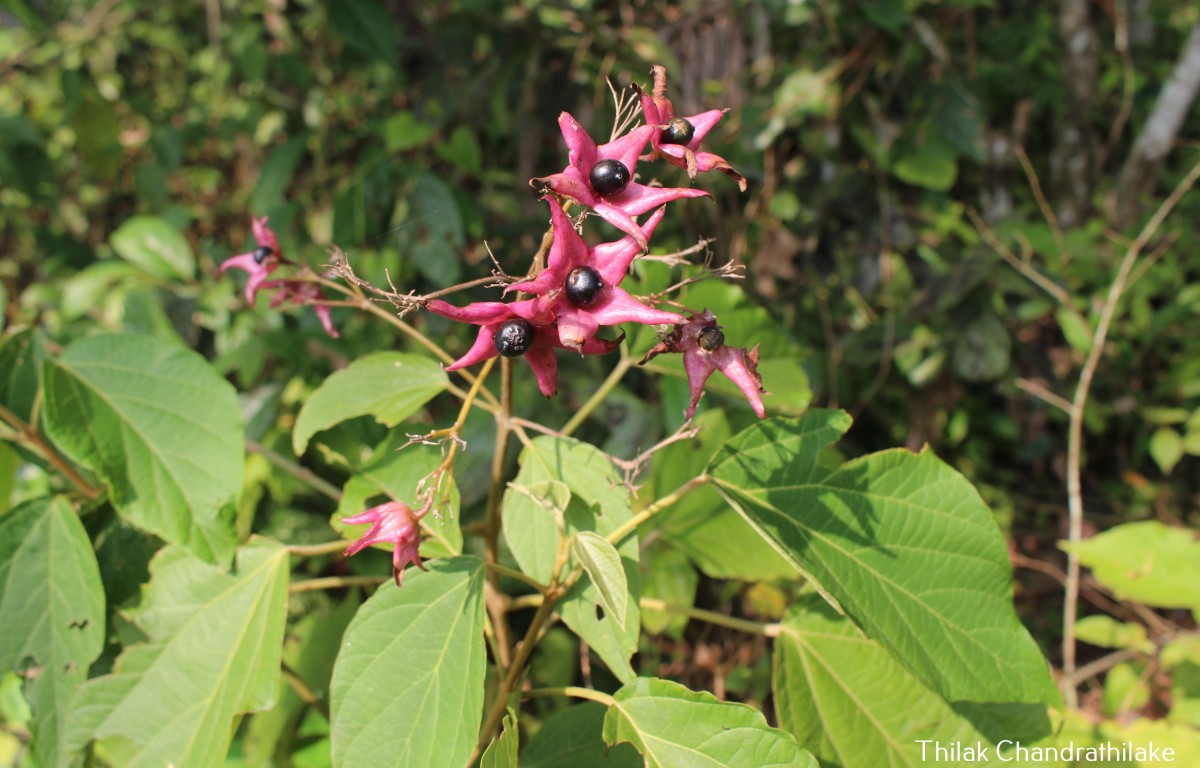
[[739, 365], [258, 270], [395, 523], [619, 208], [539, 311], [613, 306], [659, 112], [302, 292]]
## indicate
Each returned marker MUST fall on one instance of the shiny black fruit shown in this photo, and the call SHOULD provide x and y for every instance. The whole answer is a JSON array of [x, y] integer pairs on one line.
[[514, 337], [711, 338], [678, 131], [609, 177], [583, 286]]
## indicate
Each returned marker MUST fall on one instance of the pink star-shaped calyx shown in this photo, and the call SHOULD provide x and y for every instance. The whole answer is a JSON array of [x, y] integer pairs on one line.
[[702, 343], [518, 328], [677, 140], [258, 263], [394, 523], [583, 281], [625, 200]]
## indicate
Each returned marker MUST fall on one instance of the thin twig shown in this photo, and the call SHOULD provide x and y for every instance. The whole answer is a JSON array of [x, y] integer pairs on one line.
[[1043, 394], [1046, 284], [303, 474], [1043, 203], [1075, 435], [335, 582]]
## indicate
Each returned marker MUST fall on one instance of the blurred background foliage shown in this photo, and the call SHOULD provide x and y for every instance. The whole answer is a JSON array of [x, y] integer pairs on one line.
[[910, 162]]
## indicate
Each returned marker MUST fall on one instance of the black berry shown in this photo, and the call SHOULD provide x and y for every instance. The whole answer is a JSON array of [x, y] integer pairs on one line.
[[262, 253], [678, 131], [609, 177], [711, 338], [583, 286], [514, 337]]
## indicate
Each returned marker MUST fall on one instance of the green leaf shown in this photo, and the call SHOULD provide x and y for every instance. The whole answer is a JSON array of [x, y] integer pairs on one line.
[[502, 752], [160, 427], [1146, 562], [408, 683], [395, 473], [927, 161], [1075, 329], [276, 175], [702, 524], [433, 233], [571, 738], [156, 246], [1125, 689], [1181, 657], [672, 726], [1107, 632], [21, 356], [902, 542], [1166, 448], [213, 652], [52, 611], [602, 563], [365, 26], [391, 386], [667, 575], [596, 504], [404, 130], [846, 699]]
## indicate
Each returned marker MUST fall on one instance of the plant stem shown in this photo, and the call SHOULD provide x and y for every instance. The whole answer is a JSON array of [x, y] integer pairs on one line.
[[492, 521], [335, 582], [502, 570], [29, 435], [572, 690], [303, 474], [631, 525], [316, 550], [302, 689], [712, 617], [603, 391], [1075, 434]]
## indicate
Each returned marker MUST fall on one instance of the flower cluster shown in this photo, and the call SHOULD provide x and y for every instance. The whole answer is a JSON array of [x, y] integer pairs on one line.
[[264, 260], [578, 292]]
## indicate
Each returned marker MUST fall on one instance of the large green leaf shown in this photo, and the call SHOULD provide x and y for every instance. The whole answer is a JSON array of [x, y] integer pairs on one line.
[[1148, 562], [408, 683], [156, 246], [502, 752], [672, 726], [902, 542], [847, 700], [597, 504], [702, 524], [571, 738], [390, 386], [52, 611], [21, 355], [160, 426], [213, 652]]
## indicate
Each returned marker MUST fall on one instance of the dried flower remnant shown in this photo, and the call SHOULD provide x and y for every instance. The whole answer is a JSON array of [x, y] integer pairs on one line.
[[302, 292], [394, 523]]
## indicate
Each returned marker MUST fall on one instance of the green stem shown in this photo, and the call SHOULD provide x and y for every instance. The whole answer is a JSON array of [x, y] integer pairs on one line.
[[631, 525], [303, 474], [316, 550], [28, 435], [712, 617], [335, 582], [572, 690], [502, 570], [603, 391]]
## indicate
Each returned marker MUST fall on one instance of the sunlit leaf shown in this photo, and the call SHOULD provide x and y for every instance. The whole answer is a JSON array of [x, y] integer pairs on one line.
[[160, 427], [672, 726], [156, 246], [408, 683], [602, 563], [902, 542], [1147, 562], [52, 611], [213, 653], [391, 386]]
